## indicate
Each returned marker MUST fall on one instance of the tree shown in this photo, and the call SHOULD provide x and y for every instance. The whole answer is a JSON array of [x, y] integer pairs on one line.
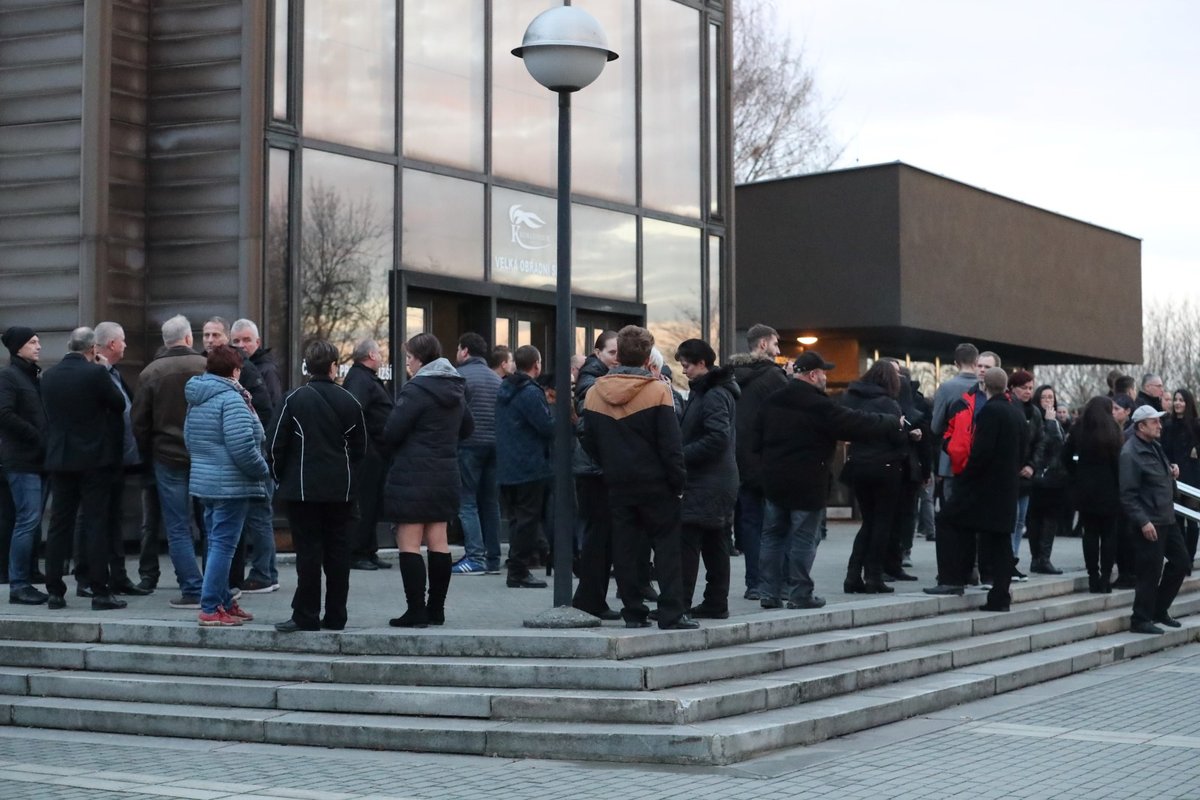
[[780, 124]]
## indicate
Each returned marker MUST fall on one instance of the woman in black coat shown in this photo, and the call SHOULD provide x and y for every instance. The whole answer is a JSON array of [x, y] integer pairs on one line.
[[1049, 510], [1181, 441], [1091, 455], [422, 488], [712, 477], [874, 470]]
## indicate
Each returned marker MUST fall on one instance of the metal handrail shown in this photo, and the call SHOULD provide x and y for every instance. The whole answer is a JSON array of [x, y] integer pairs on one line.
[[1184, 511], [1190, 491]]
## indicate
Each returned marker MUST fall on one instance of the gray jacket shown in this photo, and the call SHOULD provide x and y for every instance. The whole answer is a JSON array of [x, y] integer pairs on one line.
[[945, 396], [1147, 488]]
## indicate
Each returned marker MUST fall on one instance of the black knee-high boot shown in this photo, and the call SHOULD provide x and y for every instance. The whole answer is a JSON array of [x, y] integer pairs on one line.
[[439, 584], [412, 572]]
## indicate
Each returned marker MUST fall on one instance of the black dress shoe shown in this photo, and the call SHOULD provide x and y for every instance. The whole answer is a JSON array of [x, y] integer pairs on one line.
[[1169, 621], [609, 615], [993, 607], [326, 626], [854, 586], [364, 564], [84, 591], [942, 588], [899, 575], [876, 586], [769, 602], [684, 623], [147, 584], [56, 602], [528, 582], [808, 602], [106, 602], [380, 563], [637, 623], [127, 588], [1145, 627], [707, 612], [291, 626], [27, 596]]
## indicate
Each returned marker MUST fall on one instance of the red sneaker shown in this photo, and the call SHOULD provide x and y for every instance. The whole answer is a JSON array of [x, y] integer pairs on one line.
[[218, 618], [238, 612]]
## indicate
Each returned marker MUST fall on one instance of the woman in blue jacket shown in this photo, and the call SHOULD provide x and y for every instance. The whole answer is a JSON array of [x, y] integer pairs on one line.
[[224, 441]]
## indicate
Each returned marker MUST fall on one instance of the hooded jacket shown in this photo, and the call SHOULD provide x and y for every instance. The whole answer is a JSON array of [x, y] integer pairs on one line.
[[593, 368], [524, 431], [22, 419], [224, 438], [759, 377], [874, 452], [630, 428], [423, 433], [709, 437], [315, 441]]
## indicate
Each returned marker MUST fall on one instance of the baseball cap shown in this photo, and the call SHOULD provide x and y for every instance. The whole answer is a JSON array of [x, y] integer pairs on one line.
[[1144, 413], [811, 360]]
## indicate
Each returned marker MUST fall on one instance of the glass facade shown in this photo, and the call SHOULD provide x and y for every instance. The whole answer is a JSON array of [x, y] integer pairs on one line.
[[415, 141]]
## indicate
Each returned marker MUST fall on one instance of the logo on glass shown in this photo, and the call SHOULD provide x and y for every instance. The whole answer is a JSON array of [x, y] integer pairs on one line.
[[525, 229]]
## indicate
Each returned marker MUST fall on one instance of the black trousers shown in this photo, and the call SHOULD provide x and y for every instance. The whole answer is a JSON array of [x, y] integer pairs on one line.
[[1099, 543], [956, 550], [525, 503], [878, 495], [1048, 517], [995, 550], [1157, 585], [904, 525], [319, 537], [87, 493], [368, 494], [595, 557], [712, 544], [151, 527], [654, 520], [116, 541]]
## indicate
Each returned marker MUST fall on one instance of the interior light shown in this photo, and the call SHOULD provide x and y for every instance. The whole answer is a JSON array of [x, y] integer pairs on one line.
[[806, 339]]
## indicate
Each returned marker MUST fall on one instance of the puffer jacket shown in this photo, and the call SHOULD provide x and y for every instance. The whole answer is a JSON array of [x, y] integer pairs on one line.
[[759, 377], [22, 418], [582, 462], [482, 386], [423, 431], [224, 438], [524, 431], [709, 438], [874, 453]]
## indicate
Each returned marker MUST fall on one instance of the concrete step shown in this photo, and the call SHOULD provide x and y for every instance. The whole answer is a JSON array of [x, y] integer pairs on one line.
[[717, 741]]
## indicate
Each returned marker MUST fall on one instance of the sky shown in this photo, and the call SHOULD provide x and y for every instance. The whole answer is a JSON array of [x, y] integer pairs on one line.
[[1089, 108]]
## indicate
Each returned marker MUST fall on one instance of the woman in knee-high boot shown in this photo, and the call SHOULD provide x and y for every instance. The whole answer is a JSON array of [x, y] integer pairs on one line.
[[422, 488]]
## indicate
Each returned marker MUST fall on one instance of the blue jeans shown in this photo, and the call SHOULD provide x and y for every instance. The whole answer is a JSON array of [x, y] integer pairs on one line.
[[176, 506], [1019, 528], [479, 505], [747, 530], [260, 535], [26, 489], [223, 521], [795, 534]]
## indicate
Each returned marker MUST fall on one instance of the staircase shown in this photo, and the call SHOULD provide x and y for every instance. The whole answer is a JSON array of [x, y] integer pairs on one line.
[[727, 692]]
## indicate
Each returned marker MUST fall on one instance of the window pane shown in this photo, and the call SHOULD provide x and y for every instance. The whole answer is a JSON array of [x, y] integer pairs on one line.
[[414, 321], [503, 326], [604, 252], [524, 332], [671, 287], [671, 107], [524, 239], [350, 72], [443, 81], [346, 250], [714, 119], [714, 293], [280, 77], [276, 329], [524, 114], [603, 122], [443, 225]]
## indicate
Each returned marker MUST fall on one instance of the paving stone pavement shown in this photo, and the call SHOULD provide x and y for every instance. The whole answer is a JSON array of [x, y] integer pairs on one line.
[[1129, 730]]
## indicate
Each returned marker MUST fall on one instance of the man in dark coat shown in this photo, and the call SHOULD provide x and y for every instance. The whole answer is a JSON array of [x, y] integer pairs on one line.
[[479, 512], [372, 394], [707, 431], [984, 501], [317, 439], [22, 452], [243, 335], [84, 425], [759, 377], [797, 431], [1147, 481], [524, 434]]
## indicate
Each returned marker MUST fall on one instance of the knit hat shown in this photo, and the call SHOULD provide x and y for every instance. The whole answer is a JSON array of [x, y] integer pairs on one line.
[[16, 337]]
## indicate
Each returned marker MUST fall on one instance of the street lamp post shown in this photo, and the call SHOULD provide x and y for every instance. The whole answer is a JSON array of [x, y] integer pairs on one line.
[[564, 49]]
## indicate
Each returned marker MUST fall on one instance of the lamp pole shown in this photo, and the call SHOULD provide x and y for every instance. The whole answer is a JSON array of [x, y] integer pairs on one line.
[[564, 49]]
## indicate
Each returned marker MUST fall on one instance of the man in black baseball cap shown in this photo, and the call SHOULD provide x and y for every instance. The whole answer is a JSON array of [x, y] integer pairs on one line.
[[811, 363]]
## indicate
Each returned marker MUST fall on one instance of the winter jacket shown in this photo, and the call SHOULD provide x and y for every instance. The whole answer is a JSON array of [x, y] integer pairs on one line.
[[524, 431], [1034, 419], [22, 419], [376, 402], [593, 368], [1147, 488], [631, 430], [919, 412], [224, 438], [1144, 399], [264, 361], [423, 433], [709, 436], [1180, 443], [252, 381], [986, 490], [874, 453], [759, 377], [1049, 472], [482, 386], [1093, 477], [159, 407], [798, 429], [85, 414], [946, 395], [314, 442]]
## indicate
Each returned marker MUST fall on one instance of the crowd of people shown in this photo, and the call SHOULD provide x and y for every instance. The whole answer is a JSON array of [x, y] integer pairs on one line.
[[661, 481]]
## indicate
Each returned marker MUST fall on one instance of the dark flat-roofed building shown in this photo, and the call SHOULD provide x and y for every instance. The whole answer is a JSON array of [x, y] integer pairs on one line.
[[894, 259]]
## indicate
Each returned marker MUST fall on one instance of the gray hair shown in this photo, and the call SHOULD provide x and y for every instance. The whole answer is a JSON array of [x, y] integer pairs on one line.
[[176, 330], [107, 332], [363, 350], [81, 339], [1148, 377], [656, 358], [244, 325]]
